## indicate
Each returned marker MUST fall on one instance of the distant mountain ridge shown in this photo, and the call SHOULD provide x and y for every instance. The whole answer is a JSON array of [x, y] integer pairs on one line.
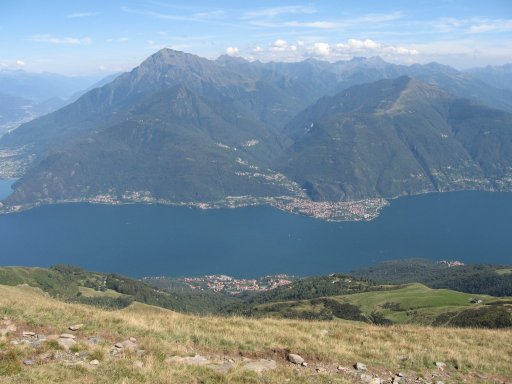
[[184, 129]]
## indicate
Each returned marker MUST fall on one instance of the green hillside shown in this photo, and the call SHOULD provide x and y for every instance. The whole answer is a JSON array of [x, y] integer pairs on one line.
[[411, 304], [490, 279]]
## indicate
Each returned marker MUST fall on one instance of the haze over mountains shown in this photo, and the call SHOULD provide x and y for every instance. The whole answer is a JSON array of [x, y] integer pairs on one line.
[[180, 128], [25, 96]]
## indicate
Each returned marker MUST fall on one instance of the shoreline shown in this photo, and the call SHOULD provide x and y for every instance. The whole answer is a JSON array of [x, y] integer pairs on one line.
[[360, 210]]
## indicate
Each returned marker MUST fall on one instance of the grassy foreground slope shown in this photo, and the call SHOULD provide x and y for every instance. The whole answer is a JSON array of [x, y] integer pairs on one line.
[[478, 356]]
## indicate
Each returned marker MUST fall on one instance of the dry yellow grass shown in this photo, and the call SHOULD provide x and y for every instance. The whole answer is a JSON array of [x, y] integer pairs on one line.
[[476, 356]]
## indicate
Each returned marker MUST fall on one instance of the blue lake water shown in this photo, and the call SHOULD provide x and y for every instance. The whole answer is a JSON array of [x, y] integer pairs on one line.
[[142, 240]]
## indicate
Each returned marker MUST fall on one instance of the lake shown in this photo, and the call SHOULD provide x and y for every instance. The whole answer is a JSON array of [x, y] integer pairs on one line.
[[142, 240]]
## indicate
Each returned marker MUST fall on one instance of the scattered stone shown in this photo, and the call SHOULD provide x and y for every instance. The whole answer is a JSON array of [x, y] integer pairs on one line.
[[138, 364], [369, 379], [66, 343], [402, 357], [28, 362], [440, 365], [133, 339], [94, 362], [15, 342], [400, 374], [320, 369], [141, 352], [260, 366], [360, 366], [75, 327], [196, 360], [127, 344], [439, 382], [396, 380], [295, 359], [28, 334], [67, 336], [304, 364]]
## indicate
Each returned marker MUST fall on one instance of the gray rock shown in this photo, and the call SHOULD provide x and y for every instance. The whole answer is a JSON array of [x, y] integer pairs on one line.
[[440, 365], [260, 366], [28, 334], [94, 362], [304, 364], [360, 366], [67, 336], [196, 360], [75, 327], [66, 343], [128, 345], [295, 359], [28, 362]]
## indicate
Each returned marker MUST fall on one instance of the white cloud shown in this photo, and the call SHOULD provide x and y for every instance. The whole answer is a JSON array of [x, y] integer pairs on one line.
[[102, 68], [81, 14], [257, 49], [321, 49], [313, 24], [61, 40], [279, 45], [20, 63], [231, 51], [276, 11], [356, 46], [210, 15], [491, 26]]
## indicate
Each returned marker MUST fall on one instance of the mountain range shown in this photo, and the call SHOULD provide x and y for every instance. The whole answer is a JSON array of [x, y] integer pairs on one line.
[[183, 129]]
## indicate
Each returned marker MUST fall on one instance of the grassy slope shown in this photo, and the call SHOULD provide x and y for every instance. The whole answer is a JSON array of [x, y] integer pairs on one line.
[[164, 333], [414, 303], [418, 303]]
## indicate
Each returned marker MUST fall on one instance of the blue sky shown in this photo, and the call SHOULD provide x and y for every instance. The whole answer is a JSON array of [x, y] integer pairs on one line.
[[90, 37]]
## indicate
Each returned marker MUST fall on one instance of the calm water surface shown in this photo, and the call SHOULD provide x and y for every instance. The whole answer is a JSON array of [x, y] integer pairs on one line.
[[142, 240]]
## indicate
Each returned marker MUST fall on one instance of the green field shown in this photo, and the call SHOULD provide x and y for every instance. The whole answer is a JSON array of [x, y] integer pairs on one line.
[[410, 304]]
